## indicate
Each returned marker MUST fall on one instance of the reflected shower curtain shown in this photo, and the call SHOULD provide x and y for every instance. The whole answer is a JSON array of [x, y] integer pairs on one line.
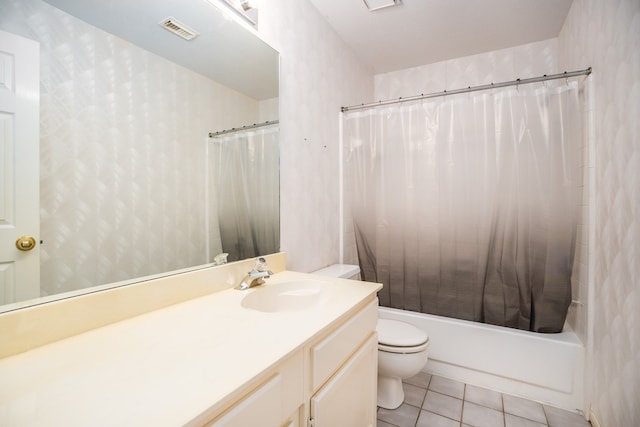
[[246, 181], [466, 206]]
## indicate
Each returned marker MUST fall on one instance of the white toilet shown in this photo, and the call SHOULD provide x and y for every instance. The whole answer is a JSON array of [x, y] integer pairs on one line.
[[403, 351], [402, 348]]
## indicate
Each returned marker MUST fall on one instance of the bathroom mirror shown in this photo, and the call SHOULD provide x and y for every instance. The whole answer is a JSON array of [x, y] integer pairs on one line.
[[129, 177]]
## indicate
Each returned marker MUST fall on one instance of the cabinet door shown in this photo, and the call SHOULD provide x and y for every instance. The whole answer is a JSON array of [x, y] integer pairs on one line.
[[348, 399], [294, 419], [19, 167]]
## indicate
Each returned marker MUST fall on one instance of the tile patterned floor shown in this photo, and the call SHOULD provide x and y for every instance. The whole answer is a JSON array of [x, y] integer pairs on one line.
[[433, 401]]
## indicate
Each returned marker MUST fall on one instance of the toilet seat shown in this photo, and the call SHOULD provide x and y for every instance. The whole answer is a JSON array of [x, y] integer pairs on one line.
[[400, 337]]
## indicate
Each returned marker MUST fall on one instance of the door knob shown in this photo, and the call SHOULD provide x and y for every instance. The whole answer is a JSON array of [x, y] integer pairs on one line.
[[25, 243]]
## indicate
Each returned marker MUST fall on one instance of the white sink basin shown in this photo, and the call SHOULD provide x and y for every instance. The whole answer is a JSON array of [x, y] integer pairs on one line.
[[286, 296]]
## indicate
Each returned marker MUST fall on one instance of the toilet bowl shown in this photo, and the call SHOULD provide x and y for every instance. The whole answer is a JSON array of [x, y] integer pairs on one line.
[[403, 351], [402, 348]]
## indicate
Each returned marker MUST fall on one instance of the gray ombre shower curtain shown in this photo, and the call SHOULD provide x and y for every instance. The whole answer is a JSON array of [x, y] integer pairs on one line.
[[466, 206], [245, 169]]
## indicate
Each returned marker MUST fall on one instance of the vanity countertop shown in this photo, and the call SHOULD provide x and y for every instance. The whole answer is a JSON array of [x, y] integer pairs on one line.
[[168, 366]]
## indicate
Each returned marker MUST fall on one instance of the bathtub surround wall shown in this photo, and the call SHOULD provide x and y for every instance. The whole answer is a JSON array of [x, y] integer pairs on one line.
[[606, 36], [98, 93]]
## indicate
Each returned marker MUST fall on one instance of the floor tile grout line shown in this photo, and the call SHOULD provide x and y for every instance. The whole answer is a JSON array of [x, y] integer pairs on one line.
[[464, 399], [426, 391], [415, 424], [444, 416]]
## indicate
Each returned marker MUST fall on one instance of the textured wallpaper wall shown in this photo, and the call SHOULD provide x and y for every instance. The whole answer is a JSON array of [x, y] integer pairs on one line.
[[529, 60], [123, 135], [318, 75], [606, 36]]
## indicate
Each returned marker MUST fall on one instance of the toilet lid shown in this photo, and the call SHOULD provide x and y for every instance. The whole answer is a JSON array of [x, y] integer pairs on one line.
[[399, 334]]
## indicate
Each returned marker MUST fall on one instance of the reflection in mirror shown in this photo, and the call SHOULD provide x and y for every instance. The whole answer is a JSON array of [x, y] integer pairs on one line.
[[128, 175], [245, 175]]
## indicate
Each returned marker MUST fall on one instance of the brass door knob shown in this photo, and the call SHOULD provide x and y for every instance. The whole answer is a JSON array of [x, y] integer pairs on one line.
[[25, 243]]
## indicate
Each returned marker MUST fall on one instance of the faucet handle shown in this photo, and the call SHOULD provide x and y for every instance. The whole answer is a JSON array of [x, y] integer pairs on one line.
[[262, 265]]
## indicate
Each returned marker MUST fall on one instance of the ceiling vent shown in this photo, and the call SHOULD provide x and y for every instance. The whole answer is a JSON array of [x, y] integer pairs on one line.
[[380, 4], [177, 27]]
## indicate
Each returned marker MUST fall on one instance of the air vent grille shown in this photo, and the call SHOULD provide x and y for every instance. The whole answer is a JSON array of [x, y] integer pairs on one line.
[[177, 27]]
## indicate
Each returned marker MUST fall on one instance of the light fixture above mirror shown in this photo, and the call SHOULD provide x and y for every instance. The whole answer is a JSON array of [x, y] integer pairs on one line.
[[246, 9]]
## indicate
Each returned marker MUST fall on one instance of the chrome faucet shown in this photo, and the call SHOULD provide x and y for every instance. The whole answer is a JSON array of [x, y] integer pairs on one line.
[[256, 276]]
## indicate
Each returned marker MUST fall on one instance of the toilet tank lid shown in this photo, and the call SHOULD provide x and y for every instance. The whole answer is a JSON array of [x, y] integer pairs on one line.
[[399, 334], [339, 270]]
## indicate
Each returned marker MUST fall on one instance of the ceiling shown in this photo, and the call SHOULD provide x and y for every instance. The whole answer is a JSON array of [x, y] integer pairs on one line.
[[419, 32]]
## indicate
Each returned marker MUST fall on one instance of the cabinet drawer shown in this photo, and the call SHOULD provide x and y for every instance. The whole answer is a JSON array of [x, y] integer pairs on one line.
[[270, 402], [332, 351], [261, 407]]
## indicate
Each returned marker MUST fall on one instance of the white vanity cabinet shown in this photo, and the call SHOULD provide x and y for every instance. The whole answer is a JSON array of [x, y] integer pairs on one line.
[[330, 382]]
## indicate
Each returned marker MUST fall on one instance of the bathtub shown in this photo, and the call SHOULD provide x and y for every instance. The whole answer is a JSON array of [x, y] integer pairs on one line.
[[547, 368]]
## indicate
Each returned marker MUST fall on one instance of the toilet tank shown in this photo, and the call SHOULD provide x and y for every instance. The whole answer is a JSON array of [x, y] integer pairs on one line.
[[343, 271]]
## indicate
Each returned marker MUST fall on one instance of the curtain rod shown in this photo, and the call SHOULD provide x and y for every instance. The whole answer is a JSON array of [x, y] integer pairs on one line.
[[516, 82], [253, 126]]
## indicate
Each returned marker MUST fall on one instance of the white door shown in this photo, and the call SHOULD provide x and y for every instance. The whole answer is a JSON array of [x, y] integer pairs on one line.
[[19, 168]]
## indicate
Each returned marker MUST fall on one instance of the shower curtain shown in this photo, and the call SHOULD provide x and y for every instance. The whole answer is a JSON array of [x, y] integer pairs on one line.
[[245, 168], [466, 206]]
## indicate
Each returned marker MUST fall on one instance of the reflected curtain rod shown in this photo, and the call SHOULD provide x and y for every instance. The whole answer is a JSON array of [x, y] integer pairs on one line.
[[516, 82], [253, 126]]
